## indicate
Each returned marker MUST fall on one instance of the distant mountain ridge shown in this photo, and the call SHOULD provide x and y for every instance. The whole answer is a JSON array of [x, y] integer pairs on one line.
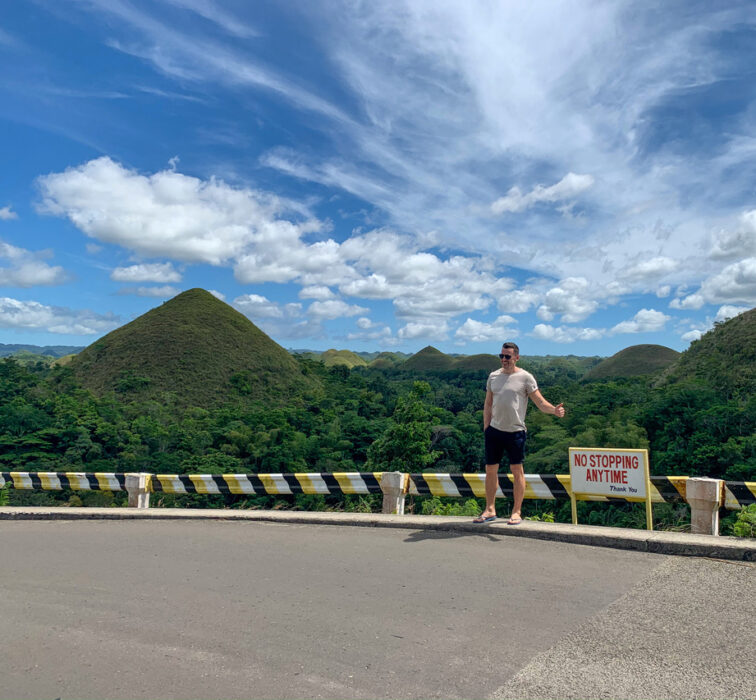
[[50, 350]]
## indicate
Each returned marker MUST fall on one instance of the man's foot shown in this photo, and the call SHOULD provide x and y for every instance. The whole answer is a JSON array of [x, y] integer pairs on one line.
[[483, 518], [514, 520]]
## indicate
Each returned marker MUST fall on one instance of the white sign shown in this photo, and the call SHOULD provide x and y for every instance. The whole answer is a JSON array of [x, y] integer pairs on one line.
[[609, 472]]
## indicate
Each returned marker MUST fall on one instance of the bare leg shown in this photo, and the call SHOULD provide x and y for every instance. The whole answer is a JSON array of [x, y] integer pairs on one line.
[[519, 491], [492, 483]]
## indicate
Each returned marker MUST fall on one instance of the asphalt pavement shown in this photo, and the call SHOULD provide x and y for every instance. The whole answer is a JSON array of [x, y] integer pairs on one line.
[[199, 608]]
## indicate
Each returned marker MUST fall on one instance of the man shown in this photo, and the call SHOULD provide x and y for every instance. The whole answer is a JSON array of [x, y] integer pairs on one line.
[[507, 392]]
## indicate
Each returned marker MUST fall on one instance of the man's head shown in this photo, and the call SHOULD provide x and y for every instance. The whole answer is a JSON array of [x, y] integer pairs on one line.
[[510, 353]]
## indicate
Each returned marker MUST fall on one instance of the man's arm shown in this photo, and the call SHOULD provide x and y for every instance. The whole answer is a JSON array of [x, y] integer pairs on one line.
[[543, 405], [487, 408]]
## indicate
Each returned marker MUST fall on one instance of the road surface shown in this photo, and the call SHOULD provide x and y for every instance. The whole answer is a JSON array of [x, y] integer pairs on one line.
[[139, 609]]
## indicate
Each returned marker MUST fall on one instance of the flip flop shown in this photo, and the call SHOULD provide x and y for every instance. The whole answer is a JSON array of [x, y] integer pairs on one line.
[[480, 520], [512, 521]]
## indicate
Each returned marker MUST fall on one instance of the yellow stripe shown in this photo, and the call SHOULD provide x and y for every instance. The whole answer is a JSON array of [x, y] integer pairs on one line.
[[345, 482], [77, 482], [103, 481], [305, 482], [529, 492], [477, 483], [201, 484], [234, 484], [18, 480], [269, 483], [437, 485], [170, 483], [680, 483], [566, 481], [49, 481]]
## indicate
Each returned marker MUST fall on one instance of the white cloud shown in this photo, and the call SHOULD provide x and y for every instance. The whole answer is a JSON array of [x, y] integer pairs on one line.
[[728, 311], [692, 301], [164, 292], [155, 272], [217, 295], [432, 330], [572, 299], [166, 214], [645, 321], [740, 243], [27, 269], [364, 323], [6, 214], [690, 336], [565, 334], [736, 283], [567, 188], [319, 292], [479, 332], [54, 319], [255, 306], [334, 308], [664, 291], [652, 269]]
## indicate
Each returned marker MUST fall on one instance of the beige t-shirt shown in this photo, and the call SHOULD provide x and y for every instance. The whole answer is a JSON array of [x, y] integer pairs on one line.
[[510, 398]]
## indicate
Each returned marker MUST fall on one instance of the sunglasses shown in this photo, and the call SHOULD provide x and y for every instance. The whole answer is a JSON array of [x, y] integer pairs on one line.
[[505, 357]]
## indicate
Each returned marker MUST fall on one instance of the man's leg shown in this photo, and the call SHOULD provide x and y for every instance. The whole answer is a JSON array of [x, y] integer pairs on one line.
[[492, 483], [519, 491]]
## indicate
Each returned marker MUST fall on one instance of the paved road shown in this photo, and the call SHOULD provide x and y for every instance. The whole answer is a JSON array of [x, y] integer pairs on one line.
[[140, 609]]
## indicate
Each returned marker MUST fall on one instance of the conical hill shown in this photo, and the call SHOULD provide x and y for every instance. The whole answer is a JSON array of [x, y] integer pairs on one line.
[[635, 361], [342, 357], [429, 358], [196, 347]]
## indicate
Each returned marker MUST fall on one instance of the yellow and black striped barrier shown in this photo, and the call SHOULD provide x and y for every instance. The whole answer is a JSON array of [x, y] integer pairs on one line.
[[270, 484], [57, 481], [537, 486], [664, 489]]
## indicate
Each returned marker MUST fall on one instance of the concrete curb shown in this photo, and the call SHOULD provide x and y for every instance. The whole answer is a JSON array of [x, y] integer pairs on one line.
[[677, 543]]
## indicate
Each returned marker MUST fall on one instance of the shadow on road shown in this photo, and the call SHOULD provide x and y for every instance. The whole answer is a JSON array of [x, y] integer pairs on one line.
[[420, 535]]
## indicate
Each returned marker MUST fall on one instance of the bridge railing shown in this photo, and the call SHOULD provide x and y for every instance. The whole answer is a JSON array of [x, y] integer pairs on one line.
[[394, 486]]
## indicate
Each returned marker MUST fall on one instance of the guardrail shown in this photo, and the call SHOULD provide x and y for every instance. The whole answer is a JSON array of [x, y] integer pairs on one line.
[[731, 495]]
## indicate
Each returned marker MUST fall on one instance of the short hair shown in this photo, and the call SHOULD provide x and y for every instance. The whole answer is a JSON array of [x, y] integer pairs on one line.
[[513, 346]]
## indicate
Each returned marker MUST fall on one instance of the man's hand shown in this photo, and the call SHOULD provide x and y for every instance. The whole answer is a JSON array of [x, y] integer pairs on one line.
[[559, 410]]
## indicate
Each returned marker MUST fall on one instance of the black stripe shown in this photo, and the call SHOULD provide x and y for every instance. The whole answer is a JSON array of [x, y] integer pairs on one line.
[[121, 479], [741, 492], [506, 486], [293, 483], [555, 486], [187, 482], [7, 477], [373, 485], [420, 484], [64, 482], [666, 488], [157, 485], [257, 483], [461, 483], [93, 483], [36, 482], [221, 483], [331, 482]]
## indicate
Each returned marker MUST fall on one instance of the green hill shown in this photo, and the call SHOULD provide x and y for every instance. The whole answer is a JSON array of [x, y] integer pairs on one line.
[[387, 360], [195, 347], [476, 362], [635, 361], [724, 358], [342, 357], [429, 358]]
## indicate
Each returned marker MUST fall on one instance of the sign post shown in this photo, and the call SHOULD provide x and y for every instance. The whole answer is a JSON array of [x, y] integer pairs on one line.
[[597, 473]]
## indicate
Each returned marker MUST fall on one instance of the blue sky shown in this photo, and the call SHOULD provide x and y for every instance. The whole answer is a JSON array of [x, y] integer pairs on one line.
[[574, 176]]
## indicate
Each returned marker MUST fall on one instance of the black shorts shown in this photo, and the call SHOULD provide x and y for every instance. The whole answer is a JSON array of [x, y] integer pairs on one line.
[[499, 441]]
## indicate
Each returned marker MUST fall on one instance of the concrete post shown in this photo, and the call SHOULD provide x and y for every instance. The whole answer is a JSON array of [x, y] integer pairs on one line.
[[704, 496], [392, 485], [136, 485]]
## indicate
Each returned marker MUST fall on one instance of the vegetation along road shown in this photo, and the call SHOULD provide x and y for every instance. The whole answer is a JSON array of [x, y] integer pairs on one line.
[[219, 609]]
